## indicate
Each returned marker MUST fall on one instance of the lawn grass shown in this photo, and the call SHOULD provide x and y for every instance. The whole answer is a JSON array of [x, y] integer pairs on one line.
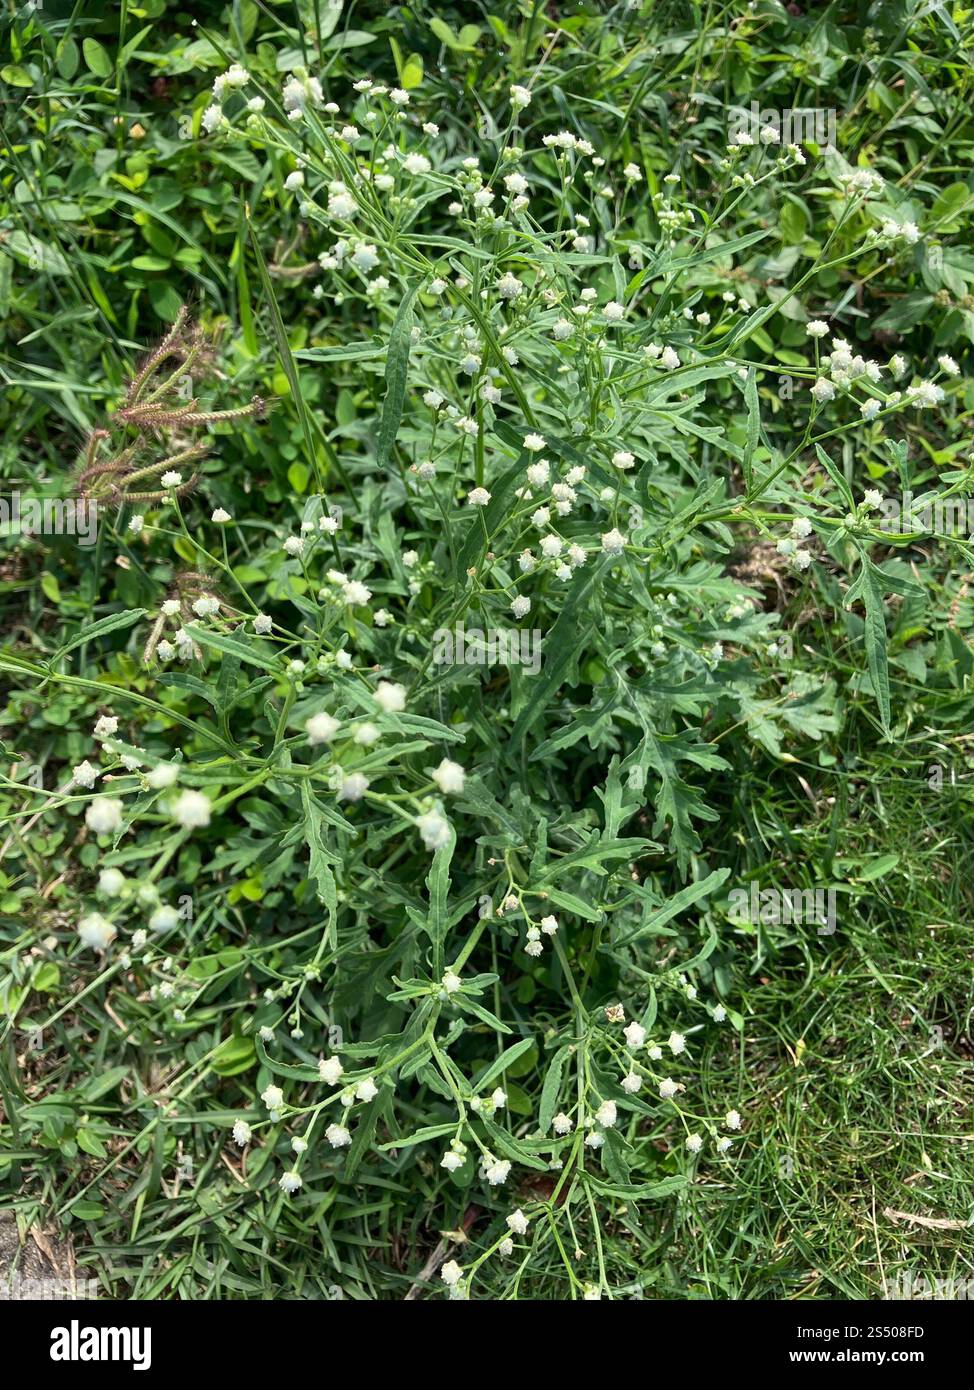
[[704, 703]]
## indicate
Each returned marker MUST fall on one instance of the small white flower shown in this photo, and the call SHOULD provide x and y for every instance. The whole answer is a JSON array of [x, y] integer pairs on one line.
[[509, 286], [732, 1119], [321, 729], [290, 1182], [365, 257], [416, 164], [925, 395], [635, 1035], [631, 1083], [366, 1090], [534, 443], [520, 97], [294, 181], [191, 810], [220, 516], [562, 1124], [613, 542], [497, 1172], [161, 776], [668, 1089], [517, 1222], [104, 815], [817, 328], [273, 1097], [330, 1070], [451, 1161], [478, 497], [694, 1143], [434, 829], [613, 311], [106, 726], [520, 606], [164, 918], [111, 882], [449, 777], [677, 1043], [84, 775], [451, 1274], [390, 698], [623, 459], [354, 786], [338, 1136], [341, 205], [451, 982], [263, 624], [907, 231], [171, 478], [96, 932], [355, 593], [241, 1133], [606, 1115]]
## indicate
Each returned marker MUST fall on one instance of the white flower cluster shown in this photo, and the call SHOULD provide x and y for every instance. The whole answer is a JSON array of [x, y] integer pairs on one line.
[[105, 817], [640, 1051]]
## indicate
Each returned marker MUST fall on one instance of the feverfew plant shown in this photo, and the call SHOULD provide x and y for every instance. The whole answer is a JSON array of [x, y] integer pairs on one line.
[[395, 823]]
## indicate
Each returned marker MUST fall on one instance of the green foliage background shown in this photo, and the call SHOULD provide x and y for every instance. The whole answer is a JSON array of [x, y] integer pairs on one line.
[[633, 791]]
